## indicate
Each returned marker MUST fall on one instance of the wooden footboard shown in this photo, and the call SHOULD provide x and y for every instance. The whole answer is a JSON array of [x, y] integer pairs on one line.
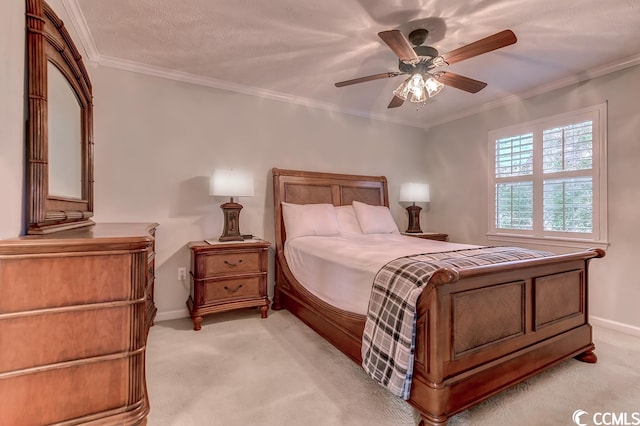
[[480, 330], [485, 329]]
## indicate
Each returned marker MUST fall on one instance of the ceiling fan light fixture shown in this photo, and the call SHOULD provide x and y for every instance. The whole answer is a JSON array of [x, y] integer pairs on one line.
[[419, 96], [418, 87], [403, 90], [416, 82], [433, 86]]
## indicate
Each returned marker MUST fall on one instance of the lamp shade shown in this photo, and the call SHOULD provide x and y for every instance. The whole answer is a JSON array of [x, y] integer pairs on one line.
[[231, 183], [414, 192]]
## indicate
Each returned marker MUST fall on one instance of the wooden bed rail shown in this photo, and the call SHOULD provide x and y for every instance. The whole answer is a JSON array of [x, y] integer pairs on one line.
[[450, 275]]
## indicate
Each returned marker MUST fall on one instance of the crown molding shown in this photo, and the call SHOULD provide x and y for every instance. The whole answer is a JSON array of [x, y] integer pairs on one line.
[[185, 77], [545, 88], [80, 25]]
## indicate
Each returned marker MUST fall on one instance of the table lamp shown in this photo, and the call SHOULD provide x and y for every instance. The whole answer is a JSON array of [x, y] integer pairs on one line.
[[414, 193], [231, 183]]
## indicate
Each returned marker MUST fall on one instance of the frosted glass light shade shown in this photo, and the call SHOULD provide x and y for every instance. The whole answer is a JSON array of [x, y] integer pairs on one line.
[[403, 90], [418, 96], [231, 183], [417, 88], [414, 192], [433, 86]]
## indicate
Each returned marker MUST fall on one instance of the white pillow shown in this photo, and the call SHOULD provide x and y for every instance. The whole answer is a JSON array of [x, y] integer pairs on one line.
[[309, 219], [375, 219], [347, 220]]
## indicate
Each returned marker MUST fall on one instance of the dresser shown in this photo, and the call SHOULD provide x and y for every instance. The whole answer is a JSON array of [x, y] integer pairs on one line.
[[226, 276], [74, 316]]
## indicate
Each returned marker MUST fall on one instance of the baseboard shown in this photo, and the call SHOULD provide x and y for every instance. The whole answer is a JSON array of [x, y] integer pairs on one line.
[[614, 325], [597, 321], [171, 315]]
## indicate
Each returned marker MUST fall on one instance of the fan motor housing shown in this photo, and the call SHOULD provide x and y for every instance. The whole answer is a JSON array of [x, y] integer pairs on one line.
[[418, 36], [426, 53]]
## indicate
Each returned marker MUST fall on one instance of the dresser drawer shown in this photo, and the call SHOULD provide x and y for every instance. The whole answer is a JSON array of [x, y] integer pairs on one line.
[[237, 288], [52, 281], [227, 263], [94, 332]]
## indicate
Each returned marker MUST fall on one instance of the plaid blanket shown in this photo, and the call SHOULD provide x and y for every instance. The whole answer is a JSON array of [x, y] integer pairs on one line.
[[388, 342]]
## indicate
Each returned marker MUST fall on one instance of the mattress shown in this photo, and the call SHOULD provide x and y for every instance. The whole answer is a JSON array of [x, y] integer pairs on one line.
[[340, 269]]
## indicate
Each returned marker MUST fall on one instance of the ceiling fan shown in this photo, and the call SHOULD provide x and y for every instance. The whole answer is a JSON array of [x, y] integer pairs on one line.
[[420, 62]]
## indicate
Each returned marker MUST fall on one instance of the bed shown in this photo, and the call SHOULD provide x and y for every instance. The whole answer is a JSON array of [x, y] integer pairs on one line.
[[464, 351]]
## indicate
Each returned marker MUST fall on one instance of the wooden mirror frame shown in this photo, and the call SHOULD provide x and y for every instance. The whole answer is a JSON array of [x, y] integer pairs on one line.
[[49, 41]]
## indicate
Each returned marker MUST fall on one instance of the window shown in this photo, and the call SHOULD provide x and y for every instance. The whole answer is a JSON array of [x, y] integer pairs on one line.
[[548, 179]]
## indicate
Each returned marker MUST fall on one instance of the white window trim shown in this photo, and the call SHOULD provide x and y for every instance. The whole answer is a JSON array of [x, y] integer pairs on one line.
[[599, 238]]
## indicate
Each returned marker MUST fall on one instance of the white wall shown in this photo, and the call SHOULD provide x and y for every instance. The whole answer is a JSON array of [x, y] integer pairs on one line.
[[456, 162], [157, 141], [12, 58]]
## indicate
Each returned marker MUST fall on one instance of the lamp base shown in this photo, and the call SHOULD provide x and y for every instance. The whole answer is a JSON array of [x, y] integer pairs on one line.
[[414, 220], [231, 231]]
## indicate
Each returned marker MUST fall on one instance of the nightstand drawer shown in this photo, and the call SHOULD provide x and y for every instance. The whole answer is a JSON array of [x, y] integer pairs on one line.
[[221, 290], [231, 263]]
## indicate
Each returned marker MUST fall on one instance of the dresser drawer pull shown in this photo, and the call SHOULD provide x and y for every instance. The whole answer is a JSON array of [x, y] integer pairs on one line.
[[226, 262], [233, 290]]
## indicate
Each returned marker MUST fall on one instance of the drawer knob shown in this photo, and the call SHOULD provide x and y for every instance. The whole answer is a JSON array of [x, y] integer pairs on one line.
[[226, 262], [233, 290]]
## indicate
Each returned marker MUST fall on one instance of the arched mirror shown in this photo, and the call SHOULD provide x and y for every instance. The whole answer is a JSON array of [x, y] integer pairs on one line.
[[59, 127], [65, 136]]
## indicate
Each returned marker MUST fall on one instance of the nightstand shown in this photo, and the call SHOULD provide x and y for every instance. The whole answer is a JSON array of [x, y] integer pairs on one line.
[[428, 235], [227, 276]]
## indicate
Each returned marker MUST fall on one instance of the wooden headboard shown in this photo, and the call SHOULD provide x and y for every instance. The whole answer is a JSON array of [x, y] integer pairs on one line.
[[301, 187]]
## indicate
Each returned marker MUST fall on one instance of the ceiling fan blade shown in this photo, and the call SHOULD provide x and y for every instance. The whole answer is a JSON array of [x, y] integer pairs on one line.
[[399, 44], [367, 78], [461, 82], [395, 102], [487, 44]]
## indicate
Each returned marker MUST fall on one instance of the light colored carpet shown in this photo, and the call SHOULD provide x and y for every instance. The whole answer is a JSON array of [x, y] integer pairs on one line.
[[240, 369]]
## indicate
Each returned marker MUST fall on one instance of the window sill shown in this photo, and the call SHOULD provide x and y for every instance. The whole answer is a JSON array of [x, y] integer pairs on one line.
[[548, 241]]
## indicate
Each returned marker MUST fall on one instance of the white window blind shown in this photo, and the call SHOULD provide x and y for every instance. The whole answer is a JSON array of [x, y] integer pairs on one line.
[[514, 156], [568, 148], [514, 205], [548, 178], [568, 205]]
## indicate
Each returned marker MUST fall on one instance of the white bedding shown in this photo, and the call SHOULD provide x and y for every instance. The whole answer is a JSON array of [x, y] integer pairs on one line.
[[340, 269]]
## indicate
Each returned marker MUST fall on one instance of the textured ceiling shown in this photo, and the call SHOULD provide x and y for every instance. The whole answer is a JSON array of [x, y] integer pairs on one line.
[[296, 50]]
